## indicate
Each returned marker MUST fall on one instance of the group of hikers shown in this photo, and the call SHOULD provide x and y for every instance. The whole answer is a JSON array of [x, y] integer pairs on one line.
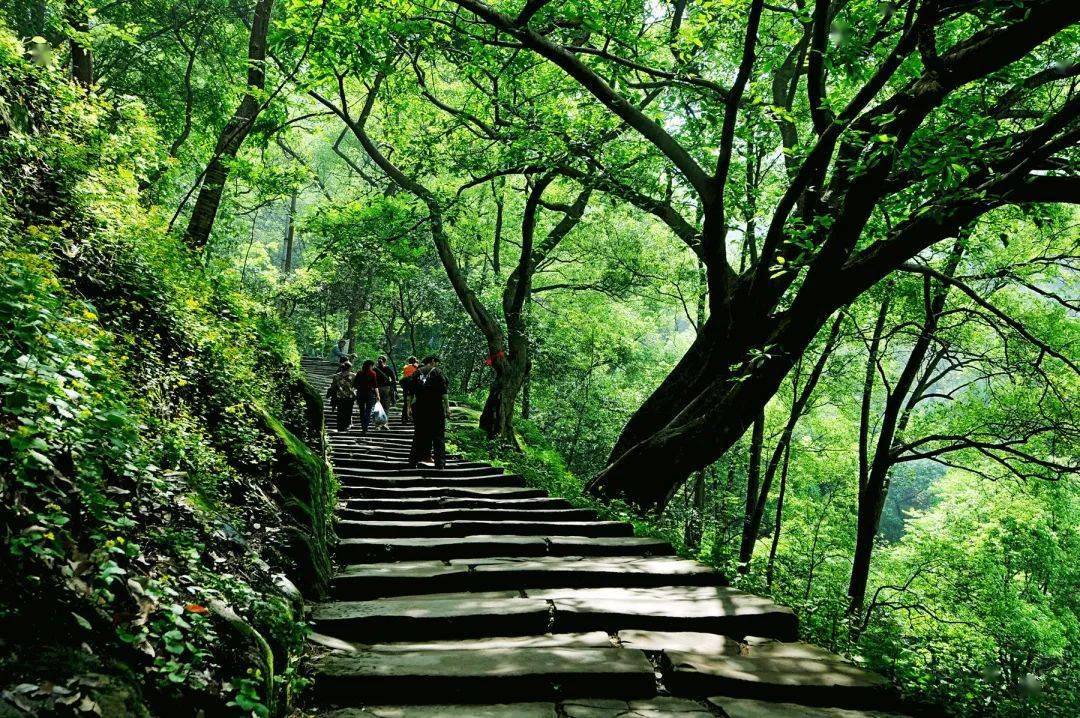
[[375, 389]]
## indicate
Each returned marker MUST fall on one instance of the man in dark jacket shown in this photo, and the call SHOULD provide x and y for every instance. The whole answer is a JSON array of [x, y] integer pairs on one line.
[[431, 409]]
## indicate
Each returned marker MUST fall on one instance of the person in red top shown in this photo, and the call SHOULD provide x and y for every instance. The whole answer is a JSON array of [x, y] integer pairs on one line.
[[407, 392], [366, 384]]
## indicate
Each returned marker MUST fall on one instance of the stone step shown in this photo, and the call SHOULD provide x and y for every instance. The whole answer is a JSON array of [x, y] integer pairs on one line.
[[379, 550], [372, 580], [595, 639], [541, 504], [485, 676], [794, 673], [389, 492], [497, 710], [363, 486], [422, 470], [457, 616], [392, 459], [379, 465], [423, 529], [469, 514], [718, 610], [656, 707], [749, 708]]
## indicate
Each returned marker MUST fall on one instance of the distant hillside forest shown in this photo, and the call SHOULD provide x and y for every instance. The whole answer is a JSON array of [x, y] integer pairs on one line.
[[793, 283]]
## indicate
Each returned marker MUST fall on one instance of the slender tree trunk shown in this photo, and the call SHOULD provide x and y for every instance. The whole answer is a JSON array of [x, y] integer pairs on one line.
[[466, 377], [873, 492], [753, 485], [799, 402], [582, 403], [234, 133], [290, 231], [771, 565], [871, 503], [693, 532], [38, 10], [526, 396], [82, 58], [496, 250], [350, 327]]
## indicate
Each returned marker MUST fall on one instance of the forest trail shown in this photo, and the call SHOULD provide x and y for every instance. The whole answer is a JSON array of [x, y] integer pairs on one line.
[[464, 593]]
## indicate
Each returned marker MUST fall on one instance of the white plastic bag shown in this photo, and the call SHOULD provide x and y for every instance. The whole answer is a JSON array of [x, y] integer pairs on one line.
[[378, 415]]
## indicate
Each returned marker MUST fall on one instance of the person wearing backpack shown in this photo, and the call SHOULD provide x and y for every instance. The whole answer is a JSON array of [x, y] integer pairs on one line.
[[387, 380], [430, 412], [408, 373], [366, 385], [342, 394]]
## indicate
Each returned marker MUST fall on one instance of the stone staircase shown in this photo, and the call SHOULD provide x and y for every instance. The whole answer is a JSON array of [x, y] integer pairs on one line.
[[464, 593]]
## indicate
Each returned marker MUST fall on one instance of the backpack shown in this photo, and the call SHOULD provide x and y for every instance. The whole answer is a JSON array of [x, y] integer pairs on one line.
[[425, 385], [341, 387]]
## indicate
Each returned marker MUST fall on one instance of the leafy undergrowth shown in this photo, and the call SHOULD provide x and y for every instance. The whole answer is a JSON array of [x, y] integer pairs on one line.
[[161, 464], [543, 466]]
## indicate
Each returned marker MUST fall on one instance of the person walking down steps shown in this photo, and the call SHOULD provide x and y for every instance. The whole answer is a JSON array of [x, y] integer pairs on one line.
[[431, 409], [340, 353], [342, 395], [366, 385]]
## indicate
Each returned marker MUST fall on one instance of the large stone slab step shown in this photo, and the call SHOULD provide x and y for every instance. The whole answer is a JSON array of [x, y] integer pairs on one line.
[[362, 486], [420, 529], [386, 453], [700, 609], [541, 504], [381, 549], [468, 514], [656, 707], [794, 673], [749, 708], [400, 457], [374, 464], [418, 619], [720, 610], [494, 675], [372, 580], [415, 492], [594, 639], [345, 473], [497, 710]]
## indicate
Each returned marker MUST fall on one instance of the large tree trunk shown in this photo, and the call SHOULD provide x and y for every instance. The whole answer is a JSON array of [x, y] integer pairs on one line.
[[234, 134], [497, 418], [712, 398], [690, 375], [508, 376]]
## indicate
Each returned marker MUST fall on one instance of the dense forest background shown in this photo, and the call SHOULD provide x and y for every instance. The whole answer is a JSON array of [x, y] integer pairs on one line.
[[793, 283]]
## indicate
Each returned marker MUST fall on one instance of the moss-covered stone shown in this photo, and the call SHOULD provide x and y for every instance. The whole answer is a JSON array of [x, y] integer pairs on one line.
[[306, 488]]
